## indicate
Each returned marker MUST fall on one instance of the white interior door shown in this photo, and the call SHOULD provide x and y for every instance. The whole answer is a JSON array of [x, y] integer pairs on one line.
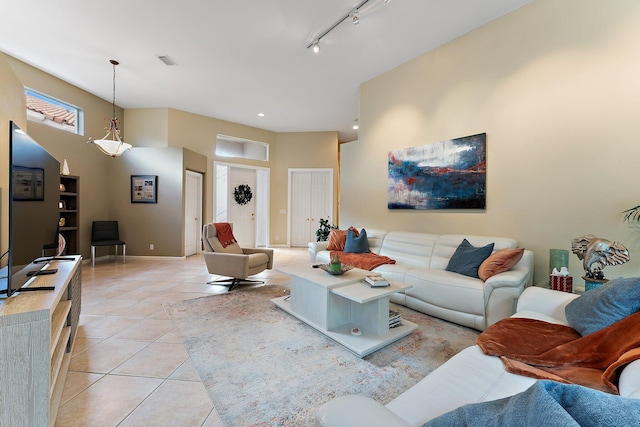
[[193, 213], [300, 183], [310, 199], [243, 217]]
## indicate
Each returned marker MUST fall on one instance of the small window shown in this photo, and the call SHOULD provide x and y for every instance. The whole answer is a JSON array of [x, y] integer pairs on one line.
[[230, 146], [44, 109]]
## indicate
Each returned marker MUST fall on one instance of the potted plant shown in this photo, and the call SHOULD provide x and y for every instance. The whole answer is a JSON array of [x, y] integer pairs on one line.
[[632, 214], [322, 233]]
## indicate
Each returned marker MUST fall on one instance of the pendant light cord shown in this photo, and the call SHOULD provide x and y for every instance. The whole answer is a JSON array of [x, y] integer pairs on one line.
[[114, 63]]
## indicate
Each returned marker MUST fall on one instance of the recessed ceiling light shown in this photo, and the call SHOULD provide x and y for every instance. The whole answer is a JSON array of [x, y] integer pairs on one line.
[[260, 114]]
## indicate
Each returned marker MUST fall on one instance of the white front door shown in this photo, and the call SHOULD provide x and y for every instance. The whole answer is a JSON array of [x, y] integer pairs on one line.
[[243, 216], [192, 213]]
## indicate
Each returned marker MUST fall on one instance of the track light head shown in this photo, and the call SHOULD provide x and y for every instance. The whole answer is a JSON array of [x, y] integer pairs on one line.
[[353, 14]]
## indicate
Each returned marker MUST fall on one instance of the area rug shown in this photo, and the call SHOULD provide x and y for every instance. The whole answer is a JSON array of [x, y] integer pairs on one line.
[[263, 367]]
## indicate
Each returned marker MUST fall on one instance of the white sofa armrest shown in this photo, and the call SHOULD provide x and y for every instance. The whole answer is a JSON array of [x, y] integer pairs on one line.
[[545, 301], [314, 248], [356, 411]]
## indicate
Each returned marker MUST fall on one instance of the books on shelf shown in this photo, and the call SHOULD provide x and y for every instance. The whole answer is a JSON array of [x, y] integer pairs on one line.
[[394, 319], [376, 281]]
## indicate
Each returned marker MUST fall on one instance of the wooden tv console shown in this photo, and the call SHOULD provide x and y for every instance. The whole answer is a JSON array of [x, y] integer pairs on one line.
[[37, 331]]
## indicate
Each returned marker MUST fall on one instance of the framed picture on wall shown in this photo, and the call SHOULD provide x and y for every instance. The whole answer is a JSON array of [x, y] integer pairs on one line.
[[28, 183], [144, 188], [449, 174]]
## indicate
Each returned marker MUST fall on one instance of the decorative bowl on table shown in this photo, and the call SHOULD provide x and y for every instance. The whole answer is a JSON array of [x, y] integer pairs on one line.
[[343, 269]]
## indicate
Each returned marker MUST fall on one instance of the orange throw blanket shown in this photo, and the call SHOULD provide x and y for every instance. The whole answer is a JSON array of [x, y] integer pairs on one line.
[[545, 350], [367, 261], [225, 233]]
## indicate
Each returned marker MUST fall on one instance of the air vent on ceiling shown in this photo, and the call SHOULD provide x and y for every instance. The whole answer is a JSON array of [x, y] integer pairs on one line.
[[166, 60]]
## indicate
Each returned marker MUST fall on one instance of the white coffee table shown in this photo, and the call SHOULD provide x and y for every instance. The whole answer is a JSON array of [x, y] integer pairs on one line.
[[334, 305]]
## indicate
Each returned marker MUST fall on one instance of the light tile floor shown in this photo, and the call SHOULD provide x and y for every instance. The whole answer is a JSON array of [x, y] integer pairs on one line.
[[128, 366]]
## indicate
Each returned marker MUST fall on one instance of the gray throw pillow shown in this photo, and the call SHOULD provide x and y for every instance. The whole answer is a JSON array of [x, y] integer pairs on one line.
[[605, 305], [467, 258], [357, 244]]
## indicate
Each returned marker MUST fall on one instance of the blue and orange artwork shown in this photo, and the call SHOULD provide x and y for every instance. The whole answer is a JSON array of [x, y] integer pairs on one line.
[[444, 175]]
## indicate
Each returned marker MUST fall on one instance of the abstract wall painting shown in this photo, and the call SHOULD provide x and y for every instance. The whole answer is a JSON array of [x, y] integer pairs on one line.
[[443, 175]]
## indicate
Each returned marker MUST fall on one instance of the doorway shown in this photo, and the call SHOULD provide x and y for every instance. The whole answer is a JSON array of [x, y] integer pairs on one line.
[[310, 199], [242, 198], [192, 212]]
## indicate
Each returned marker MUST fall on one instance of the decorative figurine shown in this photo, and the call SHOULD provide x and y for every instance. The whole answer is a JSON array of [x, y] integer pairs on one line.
[[597, 253], [65, 168]]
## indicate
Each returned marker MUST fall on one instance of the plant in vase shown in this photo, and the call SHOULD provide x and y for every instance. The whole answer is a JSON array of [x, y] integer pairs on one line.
[[322, 233], [632, 214]]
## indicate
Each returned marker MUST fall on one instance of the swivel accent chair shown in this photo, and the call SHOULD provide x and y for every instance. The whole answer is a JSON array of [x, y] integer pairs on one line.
[[232, 261]]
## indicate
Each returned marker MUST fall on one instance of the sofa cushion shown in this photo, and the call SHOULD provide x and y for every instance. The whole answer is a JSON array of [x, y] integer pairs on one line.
[[409, 248], [604, 306], [357, 244], [448, 243], [499, 262], [547, 403], [338, 238], [468, 377], [467, 258], [446, 289]]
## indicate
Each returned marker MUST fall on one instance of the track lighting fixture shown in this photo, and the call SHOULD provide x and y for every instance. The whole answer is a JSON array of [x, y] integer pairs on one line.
[[355, 17], [353, 14]]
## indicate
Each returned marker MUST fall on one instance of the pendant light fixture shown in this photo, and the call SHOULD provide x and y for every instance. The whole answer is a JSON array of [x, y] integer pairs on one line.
[[111, 144]]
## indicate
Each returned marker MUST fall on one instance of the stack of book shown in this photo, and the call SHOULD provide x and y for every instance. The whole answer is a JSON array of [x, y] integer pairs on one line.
[[376, 281], [394, 319]]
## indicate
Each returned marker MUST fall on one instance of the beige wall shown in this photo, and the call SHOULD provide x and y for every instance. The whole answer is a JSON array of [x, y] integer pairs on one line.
[[166, 143], [556, 87], [198, 134], [84, 159], [299, 150], [12, 107], [142, 224]]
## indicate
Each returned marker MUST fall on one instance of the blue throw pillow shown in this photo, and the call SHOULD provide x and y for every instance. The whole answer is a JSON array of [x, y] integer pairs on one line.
[[357, 245], [467, 258], [605, 305]]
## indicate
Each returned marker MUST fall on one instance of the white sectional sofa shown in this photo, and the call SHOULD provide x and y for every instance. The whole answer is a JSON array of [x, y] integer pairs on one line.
[[421, 260], [468, 377]]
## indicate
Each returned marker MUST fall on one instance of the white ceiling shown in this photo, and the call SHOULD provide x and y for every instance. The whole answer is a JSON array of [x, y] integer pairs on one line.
[[235, 58]]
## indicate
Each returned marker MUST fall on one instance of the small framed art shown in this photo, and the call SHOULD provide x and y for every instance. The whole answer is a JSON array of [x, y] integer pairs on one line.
[[28, 183], [144, 188]]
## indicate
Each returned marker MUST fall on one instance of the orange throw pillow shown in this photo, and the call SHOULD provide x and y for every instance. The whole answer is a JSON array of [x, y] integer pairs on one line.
[[499, 262], [338, 238]]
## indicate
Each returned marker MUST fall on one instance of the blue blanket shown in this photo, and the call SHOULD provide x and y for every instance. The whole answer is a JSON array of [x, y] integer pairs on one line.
[[549, 404]]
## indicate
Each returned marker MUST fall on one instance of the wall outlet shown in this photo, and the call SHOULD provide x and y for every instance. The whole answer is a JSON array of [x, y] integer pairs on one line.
[[151, 247], [277, 238]]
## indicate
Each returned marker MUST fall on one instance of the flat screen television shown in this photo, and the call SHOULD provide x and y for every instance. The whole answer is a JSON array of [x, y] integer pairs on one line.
[[33, 213]]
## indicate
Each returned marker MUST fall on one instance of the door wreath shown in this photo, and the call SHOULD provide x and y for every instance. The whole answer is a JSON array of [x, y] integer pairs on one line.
[[242, 194]]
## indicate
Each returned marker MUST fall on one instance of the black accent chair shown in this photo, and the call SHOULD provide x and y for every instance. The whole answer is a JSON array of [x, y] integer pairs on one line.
[[105, 233]]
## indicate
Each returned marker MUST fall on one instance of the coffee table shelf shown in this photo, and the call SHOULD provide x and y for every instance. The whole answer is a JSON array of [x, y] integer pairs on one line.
[[334, 305]]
